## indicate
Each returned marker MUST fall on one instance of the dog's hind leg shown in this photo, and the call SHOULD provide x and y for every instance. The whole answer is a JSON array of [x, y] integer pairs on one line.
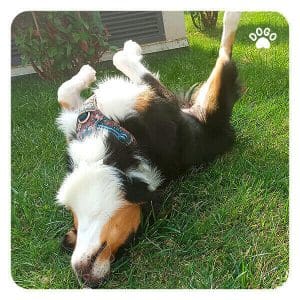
[[128, 61], [69, 92], [230, 25], [213, 101]]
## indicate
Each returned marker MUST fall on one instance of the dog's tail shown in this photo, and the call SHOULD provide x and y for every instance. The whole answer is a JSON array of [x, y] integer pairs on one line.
[[213, 100]]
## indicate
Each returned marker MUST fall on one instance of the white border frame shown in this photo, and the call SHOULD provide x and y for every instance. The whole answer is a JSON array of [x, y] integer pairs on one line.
[[11, 291]]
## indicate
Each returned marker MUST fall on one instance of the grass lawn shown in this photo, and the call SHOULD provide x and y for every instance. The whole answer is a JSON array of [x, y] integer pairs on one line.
[[224, 227]]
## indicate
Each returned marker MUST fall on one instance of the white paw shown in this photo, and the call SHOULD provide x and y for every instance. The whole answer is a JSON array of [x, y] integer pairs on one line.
[[120, 60], [130, 54], [124, 61], [87, 74], [132, 48], [128, 61]]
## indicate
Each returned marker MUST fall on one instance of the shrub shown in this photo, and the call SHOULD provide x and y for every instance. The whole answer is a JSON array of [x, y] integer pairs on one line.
[[204, 20], [57, 44]]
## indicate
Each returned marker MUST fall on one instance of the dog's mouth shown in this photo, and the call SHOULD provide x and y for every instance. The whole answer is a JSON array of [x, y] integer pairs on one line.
[[93, 272], [96, 283], [90, 282], [93, 267]]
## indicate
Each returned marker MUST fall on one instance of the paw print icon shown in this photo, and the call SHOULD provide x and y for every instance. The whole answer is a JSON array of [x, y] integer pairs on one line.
[[263, 37]]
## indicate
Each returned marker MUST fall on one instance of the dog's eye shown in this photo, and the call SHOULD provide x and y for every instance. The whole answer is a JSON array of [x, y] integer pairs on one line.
[[82, 118]]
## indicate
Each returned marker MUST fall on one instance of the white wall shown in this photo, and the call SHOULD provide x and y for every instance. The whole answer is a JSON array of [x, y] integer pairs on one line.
[[174, 25]]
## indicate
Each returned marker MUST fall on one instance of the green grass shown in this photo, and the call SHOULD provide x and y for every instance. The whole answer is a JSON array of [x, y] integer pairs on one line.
[[225, 227]]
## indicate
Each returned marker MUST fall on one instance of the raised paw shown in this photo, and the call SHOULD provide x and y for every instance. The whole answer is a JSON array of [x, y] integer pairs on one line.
[[87, 74], [131, 53], [68, 94], [132, 48], [128, 61], [120, 61]]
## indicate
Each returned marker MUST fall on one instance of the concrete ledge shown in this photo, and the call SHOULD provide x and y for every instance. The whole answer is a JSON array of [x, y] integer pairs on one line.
[[147, 48], [21, 70]]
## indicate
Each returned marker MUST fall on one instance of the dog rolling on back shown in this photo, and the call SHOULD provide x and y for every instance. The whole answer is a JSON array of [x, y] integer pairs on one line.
[[130, 138]]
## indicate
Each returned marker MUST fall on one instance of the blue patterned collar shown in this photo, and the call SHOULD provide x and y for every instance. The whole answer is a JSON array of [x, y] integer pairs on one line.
[[90, 120]]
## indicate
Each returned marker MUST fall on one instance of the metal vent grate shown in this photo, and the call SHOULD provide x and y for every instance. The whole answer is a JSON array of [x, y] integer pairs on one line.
[[140, 26]]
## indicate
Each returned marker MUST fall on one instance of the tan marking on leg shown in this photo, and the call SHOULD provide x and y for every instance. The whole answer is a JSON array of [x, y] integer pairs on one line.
[[205, 97], [210, 89], [116, 231], [211, 103], [144, 100]]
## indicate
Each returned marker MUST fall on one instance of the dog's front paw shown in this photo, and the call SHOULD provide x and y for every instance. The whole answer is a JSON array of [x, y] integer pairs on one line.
[[120, 60], [88, 74]]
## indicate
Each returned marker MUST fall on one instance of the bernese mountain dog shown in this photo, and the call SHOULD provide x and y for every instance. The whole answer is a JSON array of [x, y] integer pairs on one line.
[[127, 140]]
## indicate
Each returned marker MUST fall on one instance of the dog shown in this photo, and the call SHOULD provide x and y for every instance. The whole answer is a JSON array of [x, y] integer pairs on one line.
[[130, 138]]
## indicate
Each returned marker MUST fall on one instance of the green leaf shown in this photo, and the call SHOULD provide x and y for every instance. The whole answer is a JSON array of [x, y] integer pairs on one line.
[[83, 23], [91, 51], [61, 43], [69, 49], [76, 36], [113, 48], [97, 20], [52, 52]]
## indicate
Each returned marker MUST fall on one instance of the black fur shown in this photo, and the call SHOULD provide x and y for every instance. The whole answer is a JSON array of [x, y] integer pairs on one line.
[[137, 191], [170, 139], [175, 141], [70, 163], [120, 155]]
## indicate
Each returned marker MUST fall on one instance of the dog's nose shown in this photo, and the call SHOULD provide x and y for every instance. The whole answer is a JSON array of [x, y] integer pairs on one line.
[[86, 277], [92, 282], [90, 271]]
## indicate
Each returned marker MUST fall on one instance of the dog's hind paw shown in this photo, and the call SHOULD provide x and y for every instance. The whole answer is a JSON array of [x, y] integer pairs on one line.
[[126, 59]]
